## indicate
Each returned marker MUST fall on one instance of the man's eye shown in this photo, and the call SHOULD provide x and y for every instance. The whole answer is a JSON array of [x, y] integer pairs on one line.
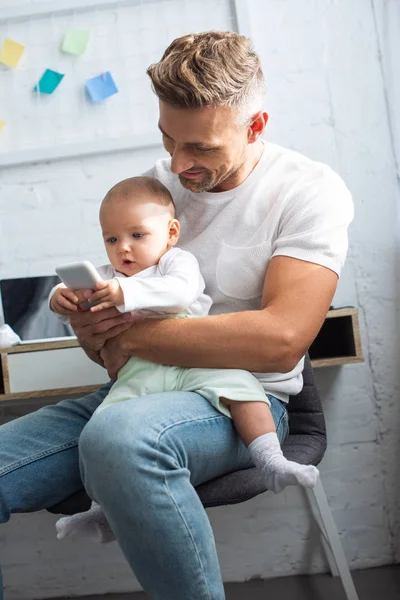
[[137, 236], [111, 240], [205, 149]]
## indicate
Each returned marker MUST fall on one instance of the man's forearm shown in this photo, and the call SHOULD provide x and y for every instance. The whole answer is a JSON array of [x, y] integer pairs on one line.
[[251, 340]]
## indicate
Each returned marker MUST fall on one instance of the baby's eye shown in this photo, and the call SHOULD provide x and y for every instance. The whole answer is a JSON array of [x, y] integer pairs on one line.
[[111, 240], [137, 236]]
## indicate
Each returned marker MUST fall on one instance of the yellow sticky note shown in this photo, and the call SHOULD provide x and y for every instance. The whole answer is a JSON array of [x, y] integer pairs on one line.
[[11, 52], [2, 123]]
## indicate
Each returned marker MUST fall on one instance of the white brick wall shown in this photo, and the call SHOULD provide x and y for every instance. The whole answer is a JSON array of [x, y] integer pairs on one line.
[[329, 94]]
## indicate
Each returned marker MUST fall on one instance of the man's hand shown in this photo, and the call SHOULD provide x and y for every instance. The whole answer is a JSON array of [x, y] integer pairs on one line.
[[108, 294], [64, 301], [113, 356], [94, 329], [118, 350]]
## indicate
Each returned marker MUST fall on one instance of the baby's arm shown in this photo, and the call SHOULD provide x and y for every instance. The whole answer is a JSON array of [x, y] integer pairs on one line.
[[108, 293], [177, 286], [63, 301]]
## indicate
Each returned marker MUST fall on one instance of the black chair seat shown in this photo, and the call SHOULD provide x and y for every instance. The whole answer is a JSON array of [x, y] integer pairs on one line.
[[305, 444]]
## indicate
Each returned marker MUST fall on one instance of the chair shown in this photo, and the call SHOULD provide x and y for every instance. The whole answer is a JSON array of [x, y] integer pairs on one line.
[[305, 444]]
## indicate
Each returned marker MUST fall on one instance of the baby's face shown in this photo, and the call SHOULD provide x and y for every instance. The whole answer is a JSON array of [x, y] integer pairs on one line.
[[136, 234]]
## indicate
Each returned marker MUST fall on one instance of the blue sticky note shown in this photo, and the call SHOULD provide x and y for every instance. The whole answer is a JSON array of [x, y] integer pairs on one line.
[[101, 87], [48, 82]]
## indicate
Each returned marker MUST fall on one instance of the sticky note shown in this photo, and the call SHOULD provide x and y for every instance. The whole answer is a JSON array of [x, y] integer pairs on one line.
[[48, 82], [101, 87], [2, 123], [75, 41], [11, 52]]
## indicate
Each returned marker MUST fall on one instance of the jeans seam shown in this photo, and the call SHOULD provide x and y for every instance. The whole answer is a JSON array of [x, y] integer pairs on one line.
[[184, 421], [31, 459], [156, 445], [189, 534], [284, 417], [280, 423]]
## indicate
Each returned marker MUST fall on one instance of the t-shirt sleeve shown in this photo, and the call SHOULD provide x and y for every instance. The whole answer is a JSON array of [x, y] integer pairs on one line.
[[314, 223]]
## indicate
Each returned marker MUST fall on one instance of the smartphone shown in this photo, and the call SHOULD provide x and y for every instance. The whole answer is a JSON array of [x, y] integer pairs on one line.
[[79, 276]]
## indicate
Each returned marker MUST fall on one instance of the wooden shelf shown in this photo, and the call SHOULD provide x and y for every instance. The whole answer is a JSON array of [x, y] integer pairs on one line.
[[40, 346], [45, 369], [68, 391], [338, 342]]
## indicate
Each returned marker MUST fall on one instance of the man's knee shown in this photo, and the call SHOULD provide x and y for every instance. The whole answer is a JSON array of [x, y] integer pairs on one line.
[[109, 438], [125, 437]]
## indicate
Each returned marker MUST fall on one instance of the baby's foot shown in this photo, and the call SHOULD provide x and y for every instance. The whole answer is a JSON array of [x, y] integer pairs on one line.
[[91, 524], [279, 472], [278, 475]]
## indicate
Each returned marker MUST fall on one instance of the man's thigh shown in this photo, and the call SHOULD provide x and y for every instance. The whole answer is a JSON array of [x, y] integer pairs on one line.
[[39, 463], [208, 441], [171, 430]]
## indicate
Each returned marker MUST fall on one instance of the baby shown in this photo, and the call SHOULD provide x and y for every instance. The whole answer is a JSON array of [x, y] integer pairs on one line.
[[150, 276]]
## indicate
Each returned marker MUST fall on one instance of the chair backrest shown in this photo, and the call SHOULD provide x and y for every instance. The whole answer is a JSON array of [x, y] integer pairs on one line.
[[306, 442]]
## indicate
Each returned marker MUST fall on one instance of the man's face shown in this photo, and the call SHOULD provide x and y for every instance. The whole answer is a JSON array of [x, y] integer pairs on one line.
[[208, 147]]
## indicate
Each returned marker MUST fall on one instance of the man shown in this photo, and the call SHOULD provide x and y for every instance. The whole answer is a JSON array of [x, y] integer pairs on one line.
[[269, 228]]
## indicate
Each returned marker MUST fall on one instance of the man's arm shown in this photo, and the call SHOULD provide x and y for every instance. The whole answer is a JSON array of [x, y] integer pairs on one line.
[[94, 329], [295, 301]]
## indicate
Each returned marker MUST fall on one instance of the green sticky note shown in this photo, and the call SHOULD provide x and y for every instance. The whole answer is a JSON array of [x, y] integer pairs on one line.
[[2, 123], [11, 52], [48, 82], [75, 41]]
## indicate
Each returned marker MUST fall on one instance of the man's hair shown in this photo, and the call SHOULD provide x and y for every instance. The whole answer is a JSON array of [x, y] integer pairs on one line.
[[213, 68], [156, 189]]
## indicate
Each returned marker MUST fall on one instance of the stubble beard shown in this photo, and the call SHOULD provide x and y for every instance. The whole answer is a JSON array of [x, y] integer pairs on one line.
[[205, 185], [209, 183]]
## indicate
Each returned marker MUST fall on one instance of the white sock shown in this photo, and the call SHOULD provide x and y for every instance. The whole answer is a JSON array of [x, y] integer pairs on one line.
[[277, 470], [92, 524]]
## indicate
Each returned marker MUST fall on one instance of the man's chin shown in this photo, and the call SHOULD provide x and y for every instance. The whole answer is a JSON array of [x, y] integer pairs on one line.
[[195, 186]]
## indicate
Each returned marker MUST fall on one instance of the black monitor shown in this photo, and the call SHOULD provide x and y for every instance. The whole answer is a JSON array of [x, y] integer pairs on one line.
[[25, 308]]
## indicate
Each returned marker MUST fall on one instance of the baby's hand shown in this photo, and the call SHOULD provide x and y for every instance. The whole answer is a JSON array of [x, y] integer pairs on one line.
[[109, 293], [64, 301]]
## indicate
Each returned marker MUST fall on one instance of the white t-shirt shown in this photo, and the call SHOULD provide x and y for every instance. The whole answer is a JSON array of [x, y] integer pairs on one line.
[[289, 205], [172, 286]]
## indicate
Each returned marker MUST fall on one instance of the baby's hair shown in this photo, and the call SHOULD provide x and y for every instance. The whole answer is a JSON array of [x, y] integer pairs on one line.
[[127, 188]]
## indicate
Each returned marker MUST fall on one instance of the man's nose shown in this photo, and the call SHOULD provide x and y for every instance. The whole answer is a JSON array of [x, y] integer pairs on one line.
[[180, 161]]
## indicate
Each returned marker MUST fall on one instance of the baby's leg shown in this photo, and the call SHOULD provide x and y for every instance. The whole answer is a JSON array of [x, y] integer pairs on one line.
[[255, 426], [92, 524]]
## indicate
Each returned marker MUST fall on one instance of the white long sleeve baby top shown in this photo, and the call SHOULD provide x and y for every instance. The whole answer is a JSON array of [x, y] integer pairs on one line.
[[173, 286]]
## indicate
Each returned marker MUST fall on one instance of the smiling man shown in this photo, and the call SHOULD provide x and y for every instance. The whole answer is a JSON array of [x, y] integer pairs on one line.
[[269, 229], [220, 159]]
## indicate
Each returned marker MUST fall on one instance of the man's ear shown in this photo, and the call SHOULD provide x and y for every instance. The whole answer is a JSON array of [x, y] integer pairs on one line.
[[257, 126], [173, 232]]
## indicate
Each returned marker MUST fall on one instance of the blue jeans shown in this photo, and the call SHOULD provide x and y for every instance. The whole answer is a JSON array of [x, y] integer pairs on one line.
[[140, 460]]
